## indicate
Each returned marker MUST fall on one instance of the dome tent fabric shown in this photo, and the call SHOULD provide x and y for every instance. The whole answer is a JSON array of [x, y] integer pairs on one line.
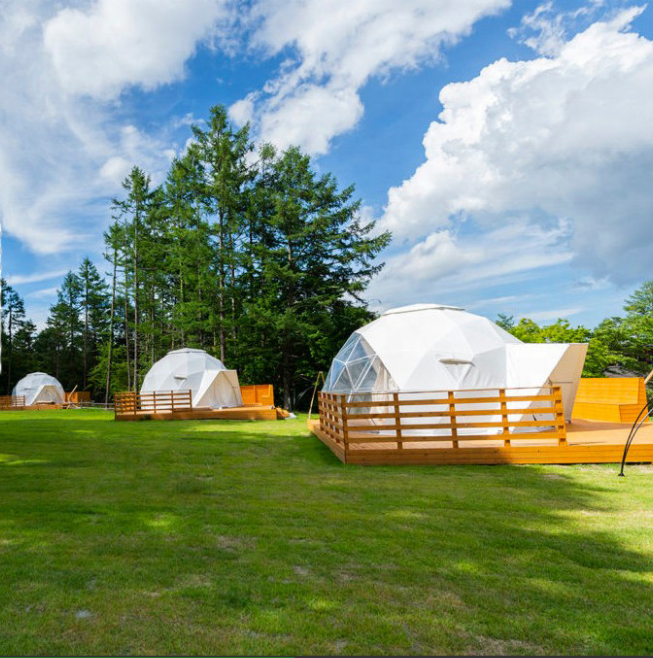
[[39, 388], [210, 383], [429, 347]]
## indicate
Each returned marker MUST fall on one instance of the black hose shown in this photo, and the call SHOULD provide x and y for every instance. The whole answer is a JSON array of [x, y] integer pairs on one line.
[[642, 416]]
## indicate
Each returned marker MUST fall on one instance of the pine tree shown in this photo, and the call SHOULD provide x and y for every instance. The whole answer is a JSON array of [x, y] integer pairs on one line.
[[67, 328], [134, 210], [13, 320], [94, 307], [316, 258]]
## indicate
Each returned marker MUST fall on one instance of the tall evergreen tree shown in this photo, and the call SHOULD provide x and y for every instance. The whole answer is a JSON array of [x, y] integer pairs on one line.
[[94, 307], [13, 321], [134, 210], [66, 335], [316, 259], [223, 153]]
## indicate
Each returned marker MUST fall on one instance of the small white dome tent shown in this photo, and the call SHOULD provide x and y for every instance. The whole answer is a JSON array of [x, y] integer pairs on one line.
[[210, 383], [39, 388], [429, 347]]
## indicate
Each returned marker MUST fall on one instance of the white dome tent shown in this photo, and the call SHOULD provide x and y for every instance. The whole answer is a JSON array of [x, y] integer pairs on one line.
[[210, 383], [39, 388], [429, 347]]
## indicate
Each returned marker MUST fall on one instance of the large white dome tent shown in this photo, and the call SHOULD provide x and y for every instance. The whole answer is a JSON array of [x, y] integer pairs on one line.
[[430, 347], [39, 388], [209, 381]]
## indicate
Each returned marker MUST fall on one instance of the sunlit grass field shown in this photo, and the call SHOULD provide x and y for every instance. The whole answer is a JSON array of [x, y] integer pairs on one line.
[[252, 538]]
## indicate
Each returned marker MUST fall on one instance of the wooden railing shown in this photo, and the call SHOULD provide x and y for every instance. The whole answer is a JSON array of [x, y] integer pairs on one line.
[[131, 403], [11, 401], [258, 394], [455, 416]]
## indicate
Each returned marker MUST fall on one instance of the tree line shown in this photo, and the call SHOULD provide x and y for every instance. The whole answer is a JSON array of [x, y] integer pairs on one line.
[[254, 257], [250, 255]]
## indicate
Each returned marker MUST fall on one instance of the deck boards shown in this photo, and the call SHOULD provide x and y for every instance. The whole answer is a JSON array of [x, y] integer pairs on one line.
[[587, 442], [253, 412]]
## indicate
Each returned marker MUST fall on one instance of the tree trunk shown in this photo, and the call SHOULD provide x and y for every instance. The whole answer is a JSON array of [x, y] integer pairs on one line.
[[85, 375], [136, 303], [111, 318], [223, 337], [129, 379]]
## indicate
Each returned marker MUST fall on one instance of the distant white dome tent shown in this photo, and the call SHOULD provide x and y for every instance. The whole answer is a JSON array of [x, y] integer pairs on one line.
[[210, 383], [39, 388], [429, 347]]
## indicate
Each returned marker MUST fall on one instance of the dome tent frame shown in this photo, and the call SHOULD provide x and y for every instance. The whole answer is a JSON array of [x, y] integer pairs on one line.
[[39, 388], [431, 347], [211, 384]]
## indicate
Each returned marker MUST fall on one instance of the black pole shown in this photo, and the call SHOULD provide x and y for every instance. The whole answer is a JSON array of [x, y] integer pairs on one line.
[[639, 421]]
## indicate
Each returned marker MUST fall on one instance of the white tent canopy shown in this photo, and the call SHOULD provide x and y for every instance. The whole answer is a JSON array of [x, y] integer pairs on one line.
[[210, 383], [428, 347], [39, 388]]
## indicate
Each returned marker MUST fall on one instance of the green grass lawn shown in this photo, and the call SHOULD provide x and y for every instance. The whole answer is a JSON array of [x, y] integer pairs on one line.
[[252, 538]]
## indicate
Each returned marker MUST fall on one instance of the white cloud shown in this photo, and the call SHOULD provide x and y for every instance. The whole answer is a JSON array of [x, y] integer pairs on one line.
[[544, 316], [45, 293], [564, 138], [111, 44], [63, 151], [445, 267], [337, 47], [18, 279]]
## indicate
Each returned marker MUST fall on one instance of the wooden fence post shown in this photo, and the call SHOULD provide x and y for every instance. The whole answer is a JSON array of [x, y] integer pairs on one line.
[[395, 398], [505, 428], [345, 429], [561, 428], [452, 418]]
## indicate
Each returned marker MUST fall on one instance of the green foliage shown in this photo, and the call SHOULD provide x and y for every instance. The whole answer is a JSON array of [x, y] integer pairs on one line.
[[15, 333], [260, 263]]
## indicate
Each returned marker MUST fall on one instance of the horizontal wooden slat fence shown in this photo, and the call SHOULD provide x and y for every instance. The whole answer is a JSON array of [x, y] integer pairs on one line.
[[12, 401], [393, 420], [131, 403]]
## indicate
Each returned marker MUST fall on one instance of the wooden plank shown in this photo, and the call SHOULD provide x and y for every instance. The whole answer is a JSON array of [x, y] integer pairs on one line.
[[456, 425], [445, 401], [461, 438], [231, 413]]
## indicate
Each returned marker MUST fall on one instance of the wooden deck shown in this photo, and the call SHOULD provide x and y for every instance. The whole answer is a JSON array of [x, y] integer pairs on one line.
[[10, 403], [369, 439], [204, 413], [177, 405]]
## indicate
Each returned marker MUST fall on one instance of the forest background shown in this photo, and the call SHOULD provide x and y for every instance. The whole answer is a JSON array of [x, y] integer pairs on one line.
[[254, 257]]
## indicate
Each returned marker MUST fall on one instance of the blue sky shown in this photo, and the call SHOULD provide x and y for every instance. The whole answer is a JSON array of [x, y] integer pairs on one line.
[[507, 144]]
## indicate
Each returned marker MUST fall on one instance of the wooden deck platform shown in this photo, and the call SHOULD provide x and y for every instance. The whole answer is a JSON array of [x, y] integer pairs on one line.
[[254, 412], [178, 405], [587, 443], [370, 439]]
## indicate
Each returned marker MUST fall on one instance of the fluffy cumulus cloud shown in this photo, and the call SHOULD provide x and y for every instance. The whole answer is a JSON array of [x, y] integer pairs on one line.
[[99, 49], [446, 265], [566, 138], [334, 49], [63, 151]]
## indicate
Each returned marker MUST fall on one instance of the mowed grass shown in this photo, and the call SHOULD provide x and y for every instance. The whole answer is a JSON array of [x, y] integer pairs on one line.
[[251, 538]]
